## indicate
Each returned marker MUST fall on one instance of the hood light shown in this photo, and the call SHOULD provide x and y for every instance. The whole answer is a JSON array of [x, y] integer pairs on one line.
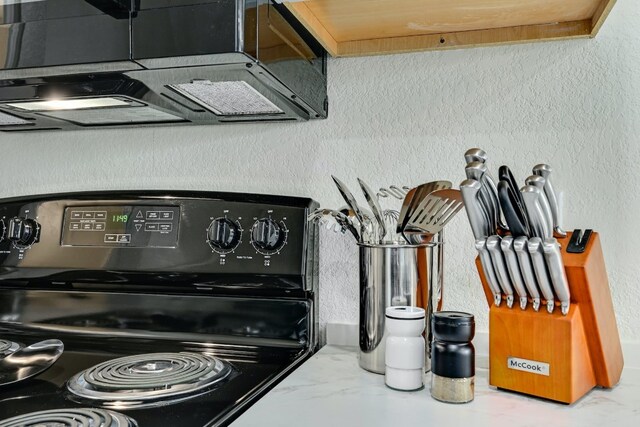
[[69, 104], [234, 98]]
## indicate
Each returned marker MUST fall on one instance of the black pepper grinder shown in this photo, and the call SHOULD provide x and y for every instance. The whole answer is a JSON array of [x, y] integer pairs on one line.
[[453, 357]]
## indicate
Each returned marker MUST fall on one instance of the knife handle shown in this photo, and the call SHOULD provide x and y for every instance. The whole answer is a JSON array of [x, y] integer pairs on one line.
[[478, 171], [470, 189], [479, 155], [497, 259], [531, 196], [545, 172], [514, 270], [526, 268], [558, 276], [540, 267], [489, 273], [539, 182]]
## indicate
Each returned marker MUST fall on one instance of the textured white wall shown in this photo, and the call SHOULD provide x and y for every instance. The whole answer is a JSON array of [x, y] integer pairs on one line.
[[405, 119]]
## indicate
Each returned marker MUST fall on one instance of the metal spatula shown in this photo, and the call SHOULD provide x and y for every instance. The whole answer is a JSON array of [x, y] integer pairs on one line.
[[414, 197], [431, 215]]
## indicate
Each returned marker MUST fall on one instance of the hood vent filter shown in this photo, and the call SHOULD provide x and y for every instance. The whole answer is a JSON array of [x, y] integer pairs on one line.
[[234, 98]]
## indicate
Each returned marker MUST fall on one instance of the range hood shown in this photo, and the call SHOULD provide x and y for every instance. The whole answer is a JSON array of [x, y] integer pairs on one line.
[[77, 64]]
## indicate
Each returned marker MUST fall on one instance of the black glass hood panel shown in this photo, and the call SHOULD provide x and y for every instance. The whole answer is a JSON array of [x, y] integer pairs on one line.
[[155, 62]]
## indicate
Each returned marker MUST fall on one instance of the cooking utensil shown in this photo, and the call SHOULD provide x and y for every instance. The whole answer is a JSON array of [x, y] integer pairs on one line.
[[520, 247], [516, 218], [431, 215], [470, 189], [372, 199], [479, 155], [500, 267], [514, 270], [538, 182], [477, 171], [414, 197], [341, 220], [391, 217], [558, 276], [542, 274], [29, 361], [545, 172], [353, 204], [393, 191], [537, 222]]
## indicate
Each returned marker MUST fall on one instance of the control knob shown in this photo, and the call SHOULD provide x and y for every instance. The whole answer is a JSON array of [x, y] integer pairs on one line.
[[268, 235], [22, 231], [223, 234]]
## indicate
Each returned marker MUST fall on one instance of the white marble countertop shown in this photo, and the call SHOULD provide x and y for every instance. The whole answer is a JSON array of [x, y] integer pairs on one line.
[[331, 390]]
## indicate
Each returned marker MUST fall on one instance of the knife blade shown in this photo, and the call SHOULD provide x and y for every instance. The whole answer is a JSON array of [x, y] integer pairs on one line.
[[479, 155], [514, 270], [542, 274], [558, 276], [538, 182], [500, 267], [479, 226], [526, 268], [531, 196], [477, 171], [545, 172]]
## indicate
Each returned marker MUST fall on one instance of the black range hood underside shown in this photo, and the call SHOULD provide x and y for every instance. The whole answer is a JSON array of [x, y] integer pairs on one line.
[[269, 70]]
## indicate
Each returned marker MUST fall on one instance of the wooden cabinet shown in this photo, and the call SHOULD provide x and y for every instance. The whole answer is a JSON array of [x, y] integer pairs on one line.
[[372, 27]]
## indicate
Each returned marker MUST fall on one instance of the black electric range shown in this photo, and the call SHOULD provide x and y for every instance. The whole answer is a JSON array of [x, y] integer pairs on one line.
[[175, 308]]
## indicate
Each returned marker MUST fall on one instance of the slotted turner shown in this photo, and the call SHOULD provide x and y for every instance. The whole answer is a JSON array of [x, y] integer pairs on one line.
[[431, 215], [413, 199]]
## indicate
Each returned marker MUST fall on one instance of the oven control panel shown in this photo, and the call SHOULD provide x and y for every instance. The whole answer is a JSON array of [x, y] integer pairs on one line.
[[184, 233], [123, 225]]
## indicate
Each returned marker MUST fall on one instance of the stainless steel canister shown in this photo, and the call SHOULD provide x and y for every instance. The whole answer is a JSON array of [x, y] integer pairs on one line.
[[394, 275]]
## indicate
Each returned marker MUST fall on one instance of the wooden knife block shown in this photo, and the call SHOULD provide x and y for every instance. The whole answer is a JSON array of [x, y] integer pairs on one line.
[[582, 349]]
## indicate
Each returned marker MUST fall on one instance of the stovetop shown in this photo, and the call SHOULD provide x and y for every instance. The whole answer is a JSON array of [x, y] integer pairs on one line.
[[220, 288], [253, 370]]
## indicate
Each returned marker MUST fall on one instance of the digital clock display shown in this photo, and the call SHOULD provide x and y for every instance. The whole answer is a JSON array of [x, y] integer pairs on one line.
[[119, 218]]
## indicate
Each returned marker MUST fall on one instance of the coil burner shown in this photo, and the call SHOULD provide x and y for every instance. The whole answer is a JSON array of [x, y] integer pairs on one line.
[[8, 347], [84, 417], [148, 380]]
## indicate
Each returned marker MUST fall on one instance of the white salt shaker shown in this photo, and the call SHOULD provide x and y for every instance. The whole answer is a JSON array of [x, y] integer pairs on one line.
[[404, 353]]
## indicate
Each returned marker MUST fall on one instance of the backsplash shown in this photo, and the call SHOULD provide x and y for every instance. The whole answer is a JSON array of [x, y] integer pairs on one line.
[[404, 120]]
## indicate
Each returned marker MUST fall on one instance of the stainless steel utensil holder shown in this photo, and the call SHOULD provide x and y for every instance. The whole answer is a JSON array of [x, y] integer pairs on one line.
[[395, 275]]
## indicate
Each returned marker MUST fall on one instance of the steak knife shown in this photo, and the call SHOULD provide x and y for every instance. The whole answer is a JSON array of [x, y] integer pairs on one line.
[[520, 247], [514, 270], [558, 276], [545, 172], [500, 267], [540, 268]]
